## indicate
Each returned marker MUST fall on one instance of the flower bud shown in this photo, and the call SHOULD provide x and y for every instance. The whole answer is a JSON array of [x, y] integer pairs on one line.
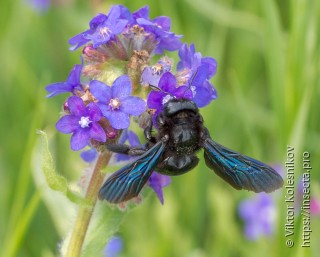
[[66, 107]]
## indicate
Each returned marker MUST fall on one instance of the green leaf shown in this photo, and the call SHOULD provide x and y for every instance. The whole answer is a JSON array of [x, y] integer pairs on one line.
[[54, 180], [105, 224]]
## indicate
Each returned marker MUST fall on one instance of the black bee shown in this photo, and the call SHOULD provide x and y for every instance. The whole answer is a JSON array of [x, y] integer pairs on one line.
[[173, 152]]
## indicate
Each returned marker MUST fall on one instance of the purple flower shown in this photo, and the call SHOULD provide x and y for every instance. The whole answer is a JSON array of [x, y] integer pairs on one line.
[[258, 214], [160, 28], [116, 103], [105, 27], [125, 14], [157, 182], [89, 155], [196, 71], [168, 90], [73, 83], [102, 28], [113, 247], [82, 122], [151, 75], [191, 60]]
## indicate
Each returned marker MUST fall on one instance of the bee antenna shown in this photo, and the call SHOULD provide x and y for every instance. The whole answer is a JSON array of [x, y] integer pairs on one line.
[[190, 84], [155, 87]]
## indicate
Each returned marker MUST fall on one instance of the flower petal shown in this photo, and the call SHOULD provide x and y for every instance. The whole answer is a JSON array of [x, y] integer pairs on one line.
[[75, 74], [58, 88], [159, 179], [154, 100], [148, 77], [133, 105], [97, 132], [168, 82], [204, 95], [183, 92], [100, 91], [145, 22], [105, 109], [72, 82], [99, 36], [67, 124], [94, 112], [80, 139], [118, 26], [97, 20], [133, 139], [199, 76], [171, 43], [78, 40], [114, 13], [163, 21], [119, 157], [89, 155], [143, 12], [125, 14], [186, 56], [212, 65], [118, 119], [123, 137], [121, 87], [189, 58], [76, 105], [157, 182]]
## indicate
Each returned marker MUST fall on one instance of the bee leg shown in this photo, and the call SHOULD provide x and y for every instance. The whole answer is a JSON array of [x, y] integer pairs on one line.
[[126, 149], [145, 122], [148, 132]]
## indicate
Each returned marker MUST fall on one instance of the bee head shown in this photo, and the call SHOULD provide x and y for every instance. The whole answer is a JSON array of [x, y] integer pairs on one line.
[[173, 106]]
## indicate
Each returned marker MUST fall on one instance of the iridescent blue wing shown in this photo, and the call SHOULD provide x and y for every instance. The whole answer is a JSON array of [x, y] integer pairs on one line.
[[240, 171], [127, 182]]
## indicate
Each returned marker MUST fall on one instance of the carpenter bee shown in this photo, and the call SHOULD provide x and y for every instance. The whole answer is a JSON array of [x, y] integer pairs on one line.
[[181, 134]]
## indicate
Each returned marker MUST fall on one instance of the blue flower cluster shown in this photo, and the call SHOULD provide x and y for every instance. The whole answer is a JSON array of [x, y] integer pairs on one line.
[[113, 103], [116, 79], [191, 80], [120, 21]]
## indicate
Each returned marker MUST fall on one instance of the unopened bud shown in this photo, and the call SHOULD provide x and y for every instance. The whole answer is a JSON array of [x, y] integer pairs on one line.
[[94, 55], [66, 107]]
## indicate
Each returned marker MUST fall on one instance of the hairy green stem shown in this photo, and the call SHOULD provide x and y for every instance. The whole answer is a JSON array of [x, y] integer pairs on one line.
[[85, 211]]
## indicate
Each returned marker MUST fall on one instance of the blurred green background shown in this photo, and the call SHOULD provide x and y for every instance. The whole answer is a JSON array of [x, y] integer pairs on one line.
[[268, 55]]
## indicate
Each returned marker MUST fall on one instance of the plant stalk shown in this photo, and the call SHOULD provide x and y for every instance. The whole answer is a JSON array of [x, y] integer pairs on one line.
[[86, 210]]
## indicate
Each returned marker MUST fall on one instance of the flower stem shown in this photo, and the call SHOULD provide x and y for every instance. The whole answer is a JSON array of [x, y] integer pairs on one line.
[[85, 211]]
